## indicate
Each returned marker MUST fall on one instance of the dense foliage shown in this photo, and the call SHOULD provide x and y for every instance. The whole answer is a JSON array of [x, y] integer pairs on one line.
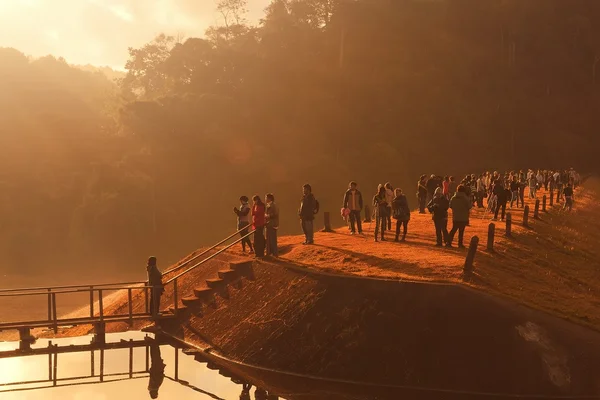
[[322, 91]]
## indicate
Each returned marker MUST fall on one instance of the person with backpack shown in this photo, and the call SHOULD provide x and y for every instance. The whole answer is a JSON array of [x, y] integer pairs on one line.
[[272, 220], [461, 206], [422, 194], [243, 223], [381, 209], [438, 207], [309, 206], [353, 201], [258, 224], [401, 213]]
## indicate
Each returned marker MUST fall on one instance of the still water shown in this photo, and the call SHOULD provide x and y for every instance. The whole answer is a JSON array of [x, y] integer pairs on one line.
[[142, 372]]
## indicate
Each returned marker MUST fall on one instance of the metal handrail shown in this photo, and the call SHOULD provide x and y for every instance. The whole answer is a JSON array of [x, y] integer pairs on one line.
[[209, 257], [71, 286], [175, 268], [81, 290]]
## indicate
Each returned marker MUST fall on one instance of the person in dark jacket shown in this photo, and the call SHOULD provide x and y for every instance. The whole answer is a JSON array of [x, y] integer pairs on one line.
[[243, 215], [157, 370], [308, 209], [272, 224], [422, 194], [258, 224], [432, 184], [461, 206], [502, 199], [381, 210], [154, 280], [568, 193], [514, 191], [401, 213], [438, 207], [354, 202]]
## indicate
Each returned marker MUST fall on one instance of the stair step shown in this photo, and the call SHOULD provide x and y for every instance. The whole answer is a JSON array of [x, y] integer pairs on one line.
[[191, 352], [215, 283], [204, 294], [225, 373], [190, 301], [213, 366], [180, 309], [228, 274], [241, 266], [200, 358]]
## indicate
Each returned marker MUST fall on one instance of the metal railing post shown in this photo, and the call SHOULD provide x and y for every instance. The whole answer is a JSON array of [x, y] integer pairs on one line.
[[175, 300], [176, 363], [100, 305], [49, 305], [50, 361], [130, 299], [146, 304], [91, 302], [55, 368], [131, 358], [54, 316]]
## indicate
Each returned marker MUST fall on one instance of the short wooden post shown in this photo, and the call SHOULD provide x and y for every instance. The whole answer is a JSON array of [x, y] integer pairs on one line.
[[536, 210], [508, 225], [551, 198], [327, 222], [526, 216], [468, 269], [544, 204], [491, 234], [367, 213], [25, 339]]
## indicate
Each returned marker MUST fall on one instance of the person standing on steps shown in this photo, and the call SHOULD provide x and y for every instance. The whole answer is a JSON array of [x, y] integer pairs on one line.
[[568, 193], [243, 216], [389, 197], [353, 201], [438, 207], [157, 287], [401, 213], [308, 208], [422, 194], [460, 205], [272, 217], [258, 223], [381, 209]]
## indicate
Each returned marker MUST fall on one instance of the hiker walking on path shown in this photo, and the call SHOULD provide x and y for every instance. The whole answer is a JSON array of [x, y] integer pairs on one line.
[[272, 216], [422, 194], [532, 186], [155, 281], [480, 191], [568, 192], [353, 201], [452, 185], [438, 207], [432, 184], [389, 197], [401, 213], [243, 223], [308, 208], [514, 191], [501, 199], [460, 205], [258, 223], [381, 209]]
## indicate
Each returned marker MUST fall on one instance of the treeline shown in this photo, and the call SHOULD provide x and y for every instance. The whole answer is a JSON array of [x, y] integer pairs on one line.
[[321, 91]]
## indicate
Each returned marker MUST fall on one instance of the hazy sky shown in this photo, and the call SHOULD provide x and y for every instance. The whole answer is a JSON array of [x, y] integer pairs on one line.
[[100, 31]]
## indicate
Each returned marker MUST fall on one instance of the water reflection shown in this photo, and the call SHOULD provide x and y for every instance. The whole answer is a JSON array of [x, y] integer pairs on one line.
[[157, 370]]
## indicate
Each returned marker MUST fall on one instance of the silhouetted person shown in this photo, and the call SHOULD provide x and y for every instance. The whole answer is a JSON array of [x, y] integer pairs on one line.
[[245, 395], [381, 210], [446, 187], [272, 215], [568, 192], [308, 209], [438, 207], [501, 199], [353, 201], [452, 185], [389, 197], [522, 186], [258, 223], [260, 394], [480, 191], [157, 370], [514, 192], [432, 184], [157, 288], [422, 194], [460, 205], [243, 215], [401, 213]]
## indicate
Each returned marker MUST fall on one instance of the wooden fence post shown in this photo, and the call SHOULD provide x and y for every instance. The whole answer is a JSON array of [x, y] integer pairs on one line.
[[526, 217], [327, 221], [508, 225], [367, 213], [544, 204], [491, 235], [468, 269], [536, 210]]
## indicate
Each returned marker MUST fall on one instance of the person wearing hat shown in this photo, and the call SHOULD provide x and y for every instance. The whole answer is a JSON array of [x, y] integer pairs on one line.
[[155, 281]]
